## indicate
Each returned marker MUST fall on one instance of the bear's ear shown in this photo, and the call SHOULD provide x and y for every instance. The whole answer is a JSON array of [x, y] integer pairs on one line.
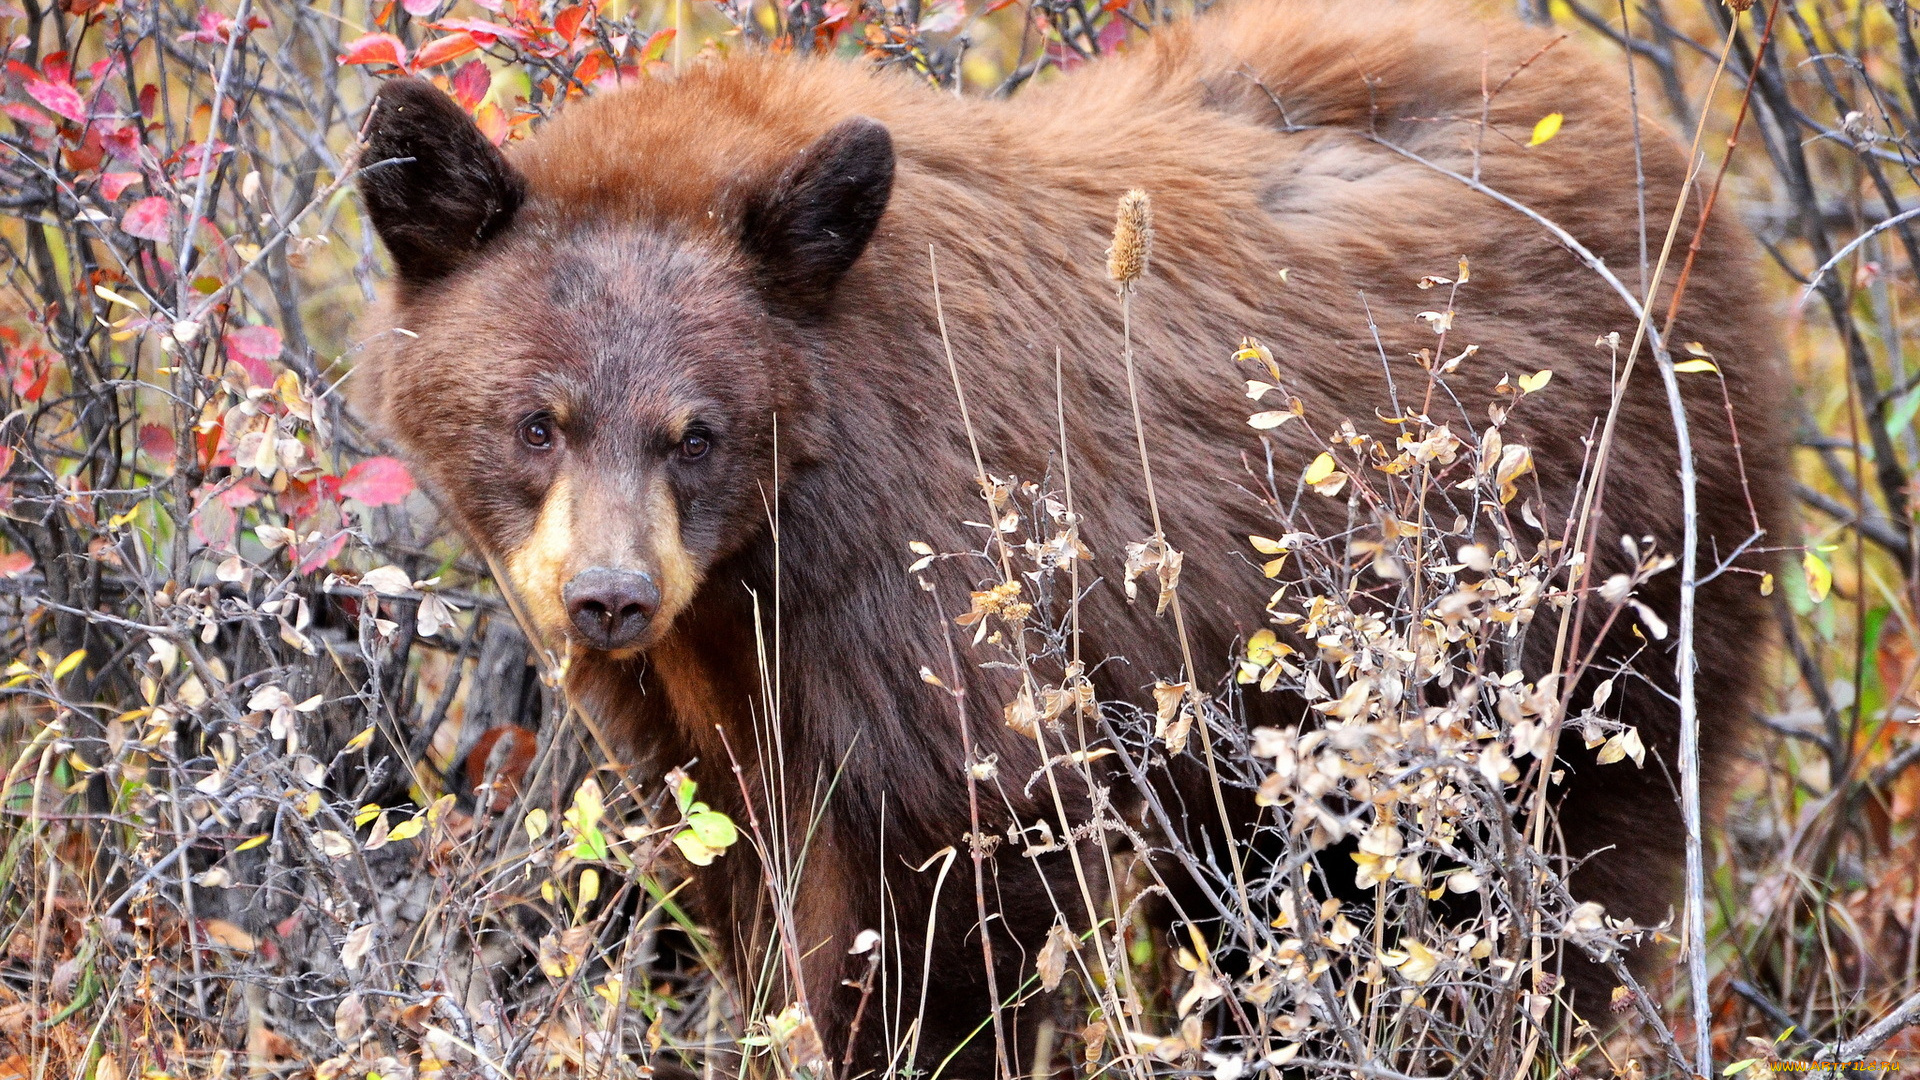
[[436, 189], [810, 226]]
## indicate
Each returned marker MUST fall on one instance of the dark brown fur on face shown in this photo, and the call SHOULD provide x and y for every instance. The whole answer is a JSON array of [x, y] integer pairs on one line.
[[698, 258]]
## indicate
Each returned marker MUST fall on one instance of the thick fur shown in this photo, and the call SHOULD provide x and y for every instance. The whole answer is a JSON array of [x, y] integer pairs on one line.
[[661, 272]]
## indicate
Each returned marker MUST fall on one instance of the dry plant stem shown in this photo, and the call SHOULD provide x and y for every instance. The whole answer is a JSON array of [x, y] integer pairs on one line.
[[1813, 282], [789, 938], [1906, 1015], [975, 840], [1696, 889], [1195, 697], [976, 845], [1127, 988]]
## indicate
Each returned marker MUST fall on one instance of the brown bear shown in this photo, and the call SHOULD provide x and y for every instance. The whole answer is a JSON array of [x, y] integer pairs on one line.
[[694, 307]]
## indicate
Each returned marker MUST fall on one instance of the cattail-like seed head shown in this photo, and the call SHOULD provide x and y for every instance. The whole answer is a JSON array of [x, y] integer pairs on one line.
[[1132, 239], [1739, 5]]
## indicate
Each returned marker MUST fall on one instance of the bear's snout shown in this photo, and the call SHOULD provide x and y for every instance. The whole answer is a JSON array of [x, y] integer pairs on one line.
[[611, 609]]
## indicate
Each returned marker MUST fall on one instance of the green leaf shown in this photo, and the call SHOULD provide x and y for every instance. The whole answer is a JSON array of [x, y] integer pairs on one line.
[[592, 844], [1900, 417], [714, 829], [696, 852]]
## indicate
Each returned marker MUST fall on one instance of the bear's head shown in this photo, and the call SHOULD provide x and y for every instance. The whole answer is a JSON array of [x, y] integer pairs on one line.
[[603, 402]]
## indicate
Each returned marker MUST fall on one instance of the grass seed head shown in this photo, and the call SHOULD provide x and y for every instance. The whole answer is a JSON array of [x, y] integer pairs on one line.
[[1132, 239]]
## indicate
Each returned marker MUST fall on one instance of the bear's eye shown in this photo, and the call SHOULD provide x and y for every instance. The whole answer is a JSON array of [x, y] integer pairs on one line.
[[695, 444], [537, 431]]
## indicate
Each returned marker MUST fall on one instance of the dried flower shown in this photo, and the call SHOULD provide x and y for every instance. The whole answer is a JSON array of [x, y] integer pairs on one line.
[[1132, 239]]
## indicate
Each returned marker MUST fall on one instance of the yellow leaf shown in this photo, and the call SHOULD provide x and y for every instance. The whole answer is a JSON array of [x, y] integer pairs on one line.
[[697, 853], [1547, 128], [1819, 577], [406, 830], [1260, 646], [72, 661], [1533, 382], [361, 740], [1272, 418], [112, 297], [1265, 546], [1690, 366], [1321, 468], [252, 842], [118, 520]]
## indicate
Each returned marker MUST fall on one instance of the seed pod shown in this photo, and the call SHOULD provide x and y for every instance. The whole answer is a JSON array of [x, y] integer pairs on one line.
[[1132, 239]]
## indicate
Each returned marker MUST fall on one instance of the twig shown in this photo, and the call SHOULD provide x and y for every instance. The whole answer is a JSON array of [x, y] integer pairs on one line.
[[1904, 1016]]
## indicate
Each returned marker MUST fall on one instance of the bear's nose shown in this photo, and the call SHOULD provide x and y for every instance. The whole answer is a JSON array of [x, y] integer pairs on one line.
[[610, 608]]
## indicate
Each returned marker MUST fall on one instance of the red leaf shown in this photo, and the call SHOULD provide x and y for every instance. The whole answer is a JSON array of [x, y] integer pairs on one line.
[[483, 31], [158, 442], [380, 481], [258, 373], [114, 184], [656, 46], [15, 563], [471, 83], [589, 68], [149, 219], [260, 343], [567, 24], [57, 67], [323, 554], [376, 49], [439, 51], [123, 142], [213, 523], [59, 97], [492, 123], [30, 377], [27, 114]]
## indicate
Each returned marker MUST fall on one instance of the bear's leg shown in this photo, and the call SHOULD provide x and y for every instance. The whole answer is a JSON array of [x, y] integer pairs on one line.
[[1625, 822]]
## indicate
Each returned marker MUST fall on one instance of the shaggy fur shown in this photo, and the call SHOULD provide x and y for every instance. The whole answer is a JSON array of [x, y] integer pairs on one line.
[[678, 259]]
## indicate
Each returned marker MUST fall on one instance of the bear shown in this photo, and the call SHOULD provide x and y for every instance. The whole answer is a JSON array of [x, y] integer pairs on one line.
[[674, 364]]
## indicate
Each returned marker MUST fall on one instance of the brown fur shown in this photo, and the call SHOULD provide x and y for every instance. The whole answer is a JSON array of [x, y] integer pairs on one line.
[[621, 289]]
